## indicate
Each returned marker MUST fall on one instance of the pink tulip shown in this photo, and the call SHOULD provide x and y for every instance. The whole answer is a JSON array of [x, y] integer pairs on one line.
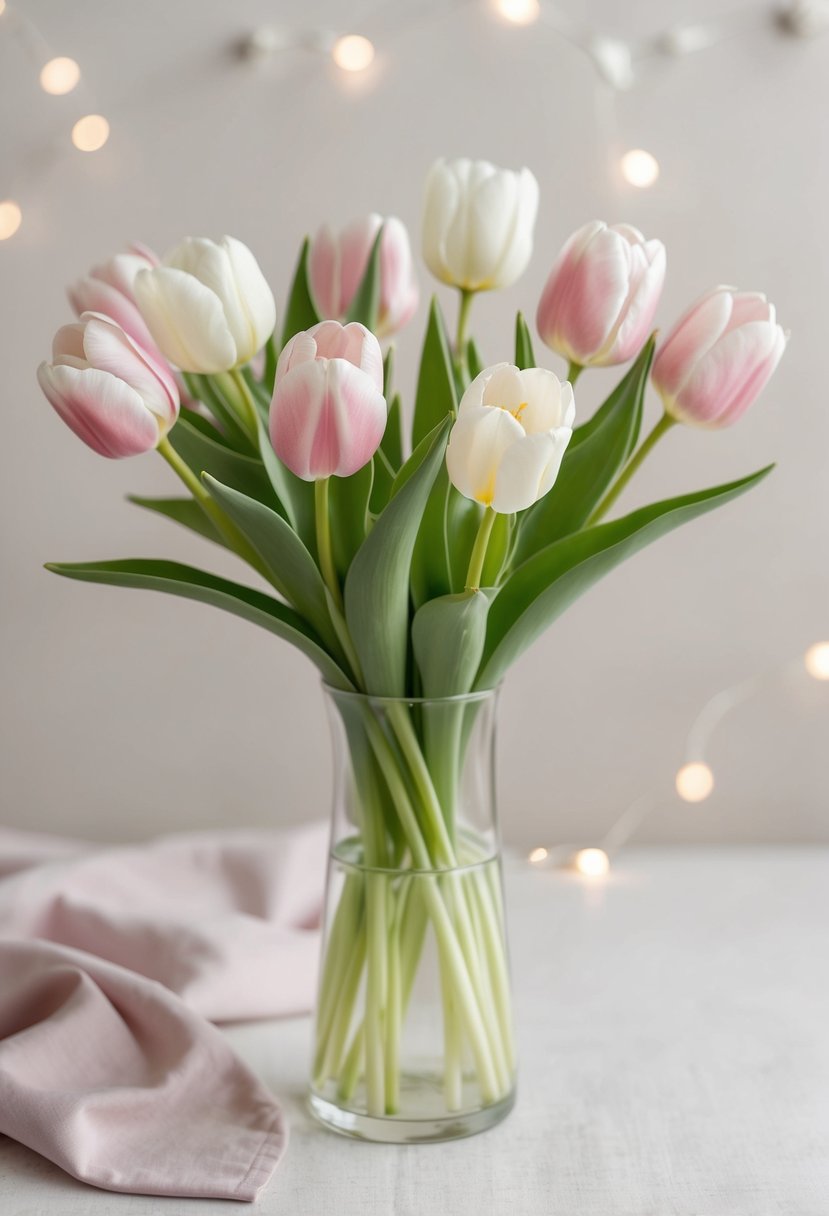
[[718, 357], [328, 412], [110, 392], [600, 299], [337, 264], [108, 290]]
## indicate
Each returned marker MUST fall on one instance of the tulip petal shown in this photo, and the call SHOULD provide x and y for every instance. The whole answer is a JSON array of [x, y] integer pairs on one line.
[[94, 294], [519, 247], [324, 274], [648, 264], [399, 293], [327, 418], [505, 388], [255, 297], [473, 396], [102, 410], [355, 249], [548, 402], [528, 470], [690, 340], [186, 319], [481, 229], [478, 442], [109, 349], [441, 199], [731, 375]]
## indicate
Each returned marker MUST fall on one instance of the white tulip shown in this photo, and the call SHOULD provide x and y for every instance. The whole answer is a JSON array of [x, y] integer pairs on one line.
[[478, 223], [512, 429], [207, 305]]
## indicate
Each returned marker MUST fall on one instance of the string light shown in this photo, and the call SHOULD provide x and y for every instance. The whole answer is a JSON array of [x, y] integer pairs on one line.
[[816, 660], [353, 53], [592, 863], [59, 76], [639, 168], [519, 12], [538, 855], [694, 781], [11, 216], [90, 133]]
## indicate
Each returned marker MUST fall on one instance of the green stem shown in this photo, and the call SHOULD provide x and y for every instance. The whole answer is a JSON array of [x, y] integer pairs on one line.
[[574, 371], [248, 414], [637, 459], [478, 556], [463, 320], [237, 541], [326, 554]]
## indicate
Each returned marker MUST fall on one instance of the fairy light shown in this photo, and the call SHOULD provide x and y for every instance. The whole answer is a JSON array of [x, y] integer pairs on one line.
[[518, 12], [639, 168], [694, 781], [90, 133], [816, 661], [11, 217], [538, 855], [353, 53], [59, 76], [592, 863]]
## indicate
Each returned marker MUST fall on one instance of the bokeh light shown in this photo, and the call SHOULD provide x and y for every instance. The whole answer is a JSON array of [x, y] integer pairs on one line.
[[694, 781]]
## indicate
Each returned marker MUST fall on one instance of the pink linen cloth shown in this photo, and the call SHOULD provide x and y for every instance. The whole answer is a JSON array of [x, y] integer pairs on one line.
[[111, 959]]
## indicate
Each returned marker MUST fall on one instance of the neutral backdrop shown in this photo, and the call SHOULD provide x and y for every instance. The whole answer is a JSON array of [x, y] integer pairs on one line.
[[127, 714]]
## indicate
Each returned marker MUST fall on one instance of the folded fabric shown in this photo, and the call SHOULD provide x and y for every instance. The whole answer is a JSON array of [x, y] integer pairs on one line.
[[228, 920], [111, 959], [114, 1079]]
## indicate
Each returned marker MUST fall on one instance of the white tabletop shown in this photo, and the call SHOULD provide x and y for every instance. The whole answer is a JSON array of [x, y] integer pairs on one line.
[[673, 1023]]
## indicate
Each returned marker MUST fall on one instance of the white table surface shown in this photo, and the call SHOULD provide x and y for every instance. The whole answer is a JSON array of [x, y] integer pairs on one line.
[[673, 1023]]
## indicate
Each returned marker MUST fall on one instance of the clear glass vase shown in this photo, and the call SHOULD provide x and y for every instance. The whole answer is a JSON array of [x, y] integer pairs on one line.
[[413, 1037]]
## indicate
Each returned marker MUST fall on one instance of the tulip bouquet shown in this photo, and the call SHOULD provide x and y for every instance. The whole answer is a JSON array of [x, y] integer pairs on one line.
[[406, 572]]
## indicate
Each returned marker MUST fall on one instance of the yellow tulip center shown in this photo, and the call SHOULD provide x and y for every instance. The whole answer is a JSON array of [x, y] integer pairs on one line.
[[518, 411]]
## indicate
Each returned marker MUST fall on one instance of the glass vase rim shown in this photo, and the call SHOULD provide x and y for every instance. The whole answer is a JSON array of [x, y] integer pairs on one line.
[[460, 698]]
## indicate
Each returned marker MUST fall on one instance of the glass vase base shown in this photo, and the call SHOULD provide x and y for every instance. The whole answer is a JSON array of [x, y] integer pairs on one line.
[[394, 1129]]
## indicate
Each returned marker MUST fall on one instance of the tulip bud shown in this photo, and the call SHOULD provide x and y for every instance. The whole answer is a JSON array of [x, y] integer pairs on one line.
[[337, 264], [513, 426], [478, 223], [718, 357], [109, 290], [599, 302], [110, 392], [328, 412], [207, 305]]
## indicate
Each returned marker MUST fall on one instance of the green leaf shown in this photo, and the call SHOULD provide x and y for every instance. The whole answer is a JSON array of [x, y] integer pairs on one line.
[[189, 583], [366, 302], [291, 567], [295, 496], [444, 542], [388, 372], [473, 359], [349, 500], [542, 588], [436, 396], [377, 586], [203, 452], [184, 511], [271, 357], [301, 312], [524, 356], [448, 636], [392, 441], [590, 463], [417, 457]]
